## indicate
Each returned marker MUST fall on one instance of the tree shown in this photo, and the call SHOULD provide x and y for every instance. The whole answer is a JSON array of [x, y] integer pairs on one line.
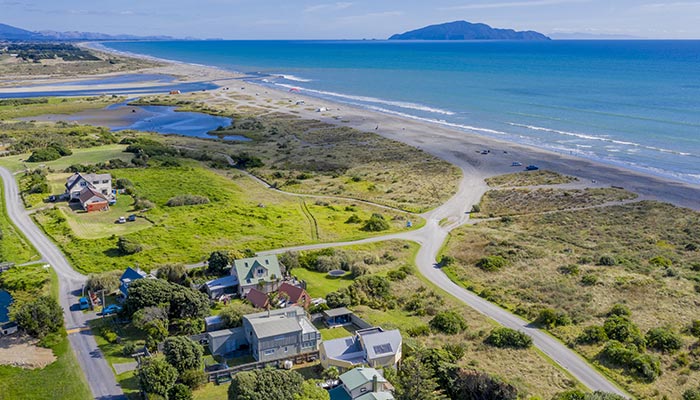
[[622, 329], [550, 318], [127, 246], [663, 339], [38, 317], [266, 384], [193, 378], [182, 353], [449, 322], [415, 381], [506, 337], [157, 376], [153, 321], [180, 392], [218, 261], [310, 391], [107, 281], [233, 313], [331, 373], [473, 385], [179, 301], [175, 273]]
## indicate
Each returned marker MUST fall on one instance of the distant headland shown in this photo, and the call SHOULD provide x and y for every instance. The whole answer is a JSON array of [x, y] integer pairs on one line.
[[463, 30]]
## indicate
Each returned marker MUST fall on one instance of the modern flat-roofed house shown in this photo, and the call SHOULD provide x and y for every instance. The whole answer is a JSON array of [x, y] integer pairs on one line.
[[280, 334], [372, 347], [101, 183], [263, 273], [227, 341], [362, 384]]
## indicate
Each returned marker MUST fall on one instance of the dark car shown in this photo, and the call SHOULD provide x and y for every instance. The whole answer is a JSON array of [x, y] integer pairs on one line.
[[532, 168], [131, 218]]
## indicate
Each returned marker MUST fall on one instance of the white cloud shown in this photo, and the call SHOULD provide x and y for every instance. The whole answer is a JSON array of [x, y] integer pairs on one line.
[[328, 6], [512, 4]]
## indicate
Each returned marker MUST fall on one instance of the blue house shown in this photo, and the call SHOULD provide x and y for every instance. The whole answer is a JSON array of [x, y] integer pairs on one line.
[[128, 277]]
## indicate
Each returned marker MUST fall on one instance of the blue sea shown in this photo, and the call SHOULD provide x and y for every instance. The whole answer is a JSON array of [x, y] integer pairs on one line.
[[629, 103]]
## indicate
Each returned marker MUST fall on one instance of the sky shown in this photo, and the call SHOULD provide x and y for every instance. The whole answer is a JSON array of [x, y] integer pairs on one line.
[[351, 19]]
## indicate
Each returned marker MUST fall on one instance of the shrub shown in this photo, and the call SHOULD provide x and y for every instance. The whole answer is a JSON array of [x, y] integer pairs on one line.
[[692, 394], [157, 376], [448, 322], [39, 317], [182, 353], [108, 281], [42, 155], [550, 318], [265, 384], [571, 269], [621, 329], [660, 261], [128, 349], [476, 208], [376, 223], [620, 310], [193, 378], [694, 328], [592, 334], [353, 219], [186, 200], [643, 366], [508, 338], [123, 183], [109, 335], [491, 263], [663, 339], [396, 275], [180, 392], [419, 330], [446, 261], [127, 246], [218, 261], [589, 280], [357, 270], [607, 261]]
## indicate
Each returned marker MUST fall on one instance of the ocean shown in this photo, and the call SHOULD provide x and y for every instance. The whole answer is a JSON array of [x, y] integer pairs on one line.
[[630, 103]]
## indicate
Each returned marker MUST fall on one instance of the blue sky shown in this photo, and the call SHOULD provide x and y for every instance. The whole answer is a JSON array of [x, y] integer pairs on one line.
[[351, 19]]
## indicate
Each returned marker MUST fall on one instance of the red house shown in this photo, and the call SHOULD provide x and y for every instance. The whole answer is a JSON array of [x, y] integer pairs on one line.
[[294, 295]]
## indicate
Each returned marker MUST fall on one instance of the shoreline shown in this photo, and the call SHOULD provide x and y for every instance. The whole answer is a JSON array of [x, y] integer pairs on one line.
[[459, 147]]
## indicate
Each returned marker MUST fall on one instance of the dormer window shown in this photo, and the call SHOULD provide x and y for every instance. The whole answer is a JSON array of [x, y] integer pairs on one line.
[[261, 271], [267, 261]]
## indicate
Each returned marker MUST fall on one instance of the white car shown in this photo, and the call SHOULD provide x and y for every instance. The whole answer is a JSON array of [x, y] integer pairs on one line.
[[121, 220]]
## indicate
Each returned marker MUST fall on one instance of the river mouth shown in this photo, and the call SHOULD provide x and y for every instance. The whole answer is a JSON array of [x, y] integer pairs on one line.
[[161, 119], [5, 301]]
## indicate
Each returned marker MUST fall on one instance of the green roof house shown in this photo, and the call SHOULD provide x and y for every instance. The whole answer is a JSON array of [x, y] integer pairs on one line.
[[362, 384], [263, 273]]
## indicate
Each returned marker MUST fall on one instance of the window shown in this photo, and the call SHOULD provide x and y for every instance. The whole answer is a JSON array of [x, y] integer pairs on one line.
[[286, 349], [261, 271], [269, 352]]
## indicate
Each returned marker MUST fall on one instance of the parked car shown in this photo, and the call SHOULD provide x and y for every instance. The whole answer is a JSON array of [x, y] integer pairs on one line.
[[516, 164], [132, 218], [112, 202], [52, 198], [121, 220], [532, 168], [84, 303], [111, 309]]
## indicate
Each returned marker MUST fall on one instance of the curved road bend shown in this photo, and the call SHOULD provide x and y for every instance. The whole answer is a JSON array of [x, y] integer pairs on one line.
[[432, 236], [95, 367]]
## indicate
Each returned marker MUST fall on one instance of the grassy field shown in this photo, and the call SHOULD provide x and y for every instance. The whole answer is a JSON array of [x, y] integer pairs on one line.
[[91, 155], [211, 391], [242, 214], [102, 224], [14, 247], [529, 178], [553, 261], [530, 201], [320, 283], [62, 379], [57, 105], [526, 369], [308, 156]]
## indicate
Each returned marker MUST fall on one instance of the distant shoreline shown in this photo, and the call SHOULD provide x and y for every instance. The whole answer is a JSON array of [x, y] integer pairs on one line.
[[456, 146]]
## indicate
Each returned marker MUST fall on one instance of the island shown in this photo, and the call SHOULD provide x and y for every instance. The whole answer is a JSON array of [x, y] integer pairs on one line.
[[463, 30]]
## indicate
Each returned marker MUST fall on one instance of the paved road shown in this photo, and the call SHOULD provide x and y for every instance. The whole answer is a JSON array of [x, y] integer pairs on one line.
[[97, 371], [432, 236]]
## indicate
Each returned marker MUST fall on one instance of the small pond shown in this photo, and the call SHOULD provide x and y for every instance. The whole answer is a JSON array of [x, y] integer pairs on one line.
[[5, 301]]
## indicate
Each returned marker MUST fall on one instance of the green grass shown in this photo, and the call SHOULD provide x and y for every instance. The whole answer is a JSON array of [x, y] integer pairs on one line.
[[14, 247], [90, 155], [241, 214], [530, 178], [102, 224], [56, 105], [211, 391], [334, 333], [319, 284]]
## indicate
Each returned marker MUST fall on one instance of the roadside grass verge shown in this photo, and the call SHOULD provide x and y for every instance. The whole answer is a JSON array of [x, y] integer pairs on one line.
[[554, 261], [506, 202], [241, 214], [14, 247]]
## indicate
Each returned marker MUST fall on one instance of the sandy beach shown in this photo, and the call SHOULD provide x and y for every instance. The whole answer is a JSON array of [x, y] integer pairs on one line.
[[456, 146]]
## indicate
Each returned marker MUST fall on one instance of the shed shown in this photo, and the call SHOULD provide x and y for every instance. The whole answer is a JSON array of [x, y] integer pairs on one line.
[[8, 328], [337, 316], [226, 341], [213, 323]]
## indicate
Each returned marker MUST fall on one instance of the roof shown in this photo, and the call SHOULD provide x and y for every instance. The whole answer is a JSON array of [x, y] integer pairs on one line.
[[360, 376], [8, 325], [278, 322], [346, 349], [244, 268], [376, 396], [213, 320], [131, 274], [293, 292], [223, 333], [88, 193], [381, 344], [336, 312], [257, 298], [89, 178], [222, 283]]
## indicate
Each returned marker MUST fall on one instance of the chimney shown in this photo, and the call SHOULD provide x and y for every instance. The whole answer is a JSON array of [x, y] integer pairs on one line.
[[375, 384]]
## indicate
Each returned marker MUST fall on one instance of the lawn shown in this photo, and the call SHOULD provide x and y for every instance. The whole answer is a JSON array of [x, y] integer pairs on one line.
[[554, 261], [241, 214], [319, 284], [102, 224], [48, 382], [211, 391], [14, 247], [334, 333], [90, 155]]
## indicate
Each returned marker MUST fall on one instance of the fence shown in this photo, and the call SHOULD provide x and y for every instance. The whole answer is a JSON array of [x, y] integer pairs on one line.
[[227, 374]]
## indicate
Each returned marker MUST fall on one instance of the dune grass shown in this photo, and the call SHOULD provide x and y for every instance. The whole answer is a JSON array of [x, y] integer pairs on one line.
[[90, 155], [530, 178], [553, 262], [56, 105]]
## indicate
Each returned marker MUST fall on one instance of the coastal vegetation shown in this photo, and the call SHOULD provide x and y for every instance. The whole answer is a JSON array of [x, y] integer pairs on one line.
[[530, 178], [616, 283]]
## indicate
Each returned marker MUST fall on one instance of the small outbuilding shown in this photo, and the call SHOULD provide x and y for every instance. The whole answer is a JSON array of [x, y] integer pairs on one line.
[[337, 317], [8, 328]]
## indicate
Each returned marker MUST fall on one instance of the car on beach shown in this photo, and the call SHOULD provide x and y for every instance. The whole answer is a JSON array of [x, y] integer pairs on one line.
[[532, 168], [516, 164]]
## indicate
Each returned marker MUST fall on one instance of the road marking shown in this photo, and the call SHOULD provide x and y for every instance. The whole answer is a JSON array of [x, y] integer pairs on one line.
[[76, 330]]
